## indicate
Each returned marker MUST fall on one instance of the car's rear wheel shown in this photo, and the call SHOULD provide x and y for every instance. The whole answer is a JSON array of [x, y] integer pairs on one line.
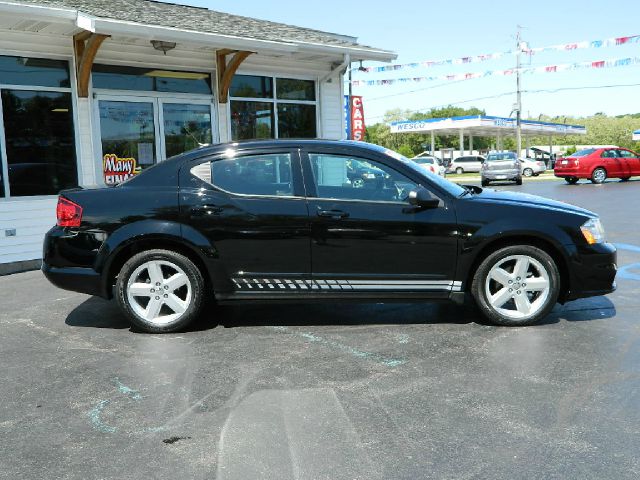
[[516, 285], [160, 291], [625, 179], [599, 175], [459, 171], [519, 181], [485, 183], [571, 180], [527, 172]]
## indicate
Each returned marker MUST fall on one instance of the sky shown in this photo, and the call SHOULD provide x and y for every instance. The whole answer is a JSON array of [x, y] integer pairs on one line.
[[422, 30]]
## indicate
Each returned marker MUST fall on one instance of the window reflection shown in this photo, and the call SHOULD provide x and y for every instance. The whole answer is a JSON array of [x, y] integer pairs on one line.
[[34, 71], [251, 120], [186, 127], [40, 142], [296, 121]]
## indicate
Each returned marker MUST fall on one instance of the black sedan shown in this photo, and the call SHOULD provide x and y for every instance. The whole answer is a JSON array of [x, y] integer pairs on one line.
[[281, 221]]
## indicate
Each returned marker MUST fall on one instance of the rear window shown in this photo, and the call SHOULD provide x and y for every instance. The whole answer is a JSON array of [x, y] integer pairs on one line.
[[583, 153], [424, 160], [496, 157]]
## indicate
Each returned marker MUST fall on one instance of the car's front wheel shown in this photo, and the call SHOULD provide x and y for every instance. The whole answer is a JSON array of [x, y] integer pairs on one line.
[[527, 172], [160, 291], [459, 171], [516, 285]]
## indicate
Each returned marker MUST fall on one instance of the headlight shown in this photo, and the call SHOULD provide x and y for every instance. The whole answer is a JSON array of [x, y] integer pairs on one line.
[[369, 176], [593, 231]]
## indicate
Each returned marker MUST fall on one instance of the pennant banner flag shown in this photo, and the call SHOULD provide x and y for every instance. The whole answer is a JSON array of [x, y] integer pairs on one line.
[[609, 42], [619, 62]]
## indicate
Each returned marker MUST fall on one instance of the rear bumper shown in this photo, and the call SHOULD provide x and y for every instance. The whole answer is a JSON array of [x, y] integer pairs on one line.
[[76, 279], [593, 271], [501, 175], [569, 172]]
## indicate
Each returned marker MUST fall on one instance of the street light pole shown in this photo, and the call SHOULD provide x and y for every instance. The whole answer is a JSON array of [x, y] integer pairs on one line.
[[518, 97]]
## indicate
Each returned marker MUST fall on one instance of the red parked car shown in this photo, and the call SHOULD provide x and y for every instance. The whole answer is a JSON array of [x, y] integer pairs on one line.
[[598, 164]]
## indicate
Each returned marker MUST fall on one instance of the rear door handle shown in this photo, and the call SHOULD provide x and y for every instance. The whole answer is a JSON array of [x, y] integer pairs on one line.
[[206, 210], [333, 214]]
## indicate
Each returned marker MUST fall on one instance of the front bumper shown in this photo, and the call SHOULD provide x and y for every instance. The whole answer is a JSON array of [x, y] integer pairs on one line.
[[592, 270]]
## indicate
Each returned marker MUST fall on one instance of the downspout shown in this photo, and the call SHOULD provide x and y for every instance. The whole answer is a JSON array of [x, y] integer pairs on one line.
[[339, 68]]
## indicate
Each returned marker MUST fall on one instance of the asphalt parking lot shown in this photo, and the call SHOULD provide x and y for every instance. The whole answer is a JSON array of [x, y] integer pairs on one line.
[[328, 391]]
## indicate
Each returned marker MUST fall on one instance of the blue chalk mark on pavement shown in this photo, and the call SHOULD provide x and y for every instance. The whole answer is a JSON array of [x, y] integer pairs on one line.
[[129, 392], [96, 420], [386, 361]]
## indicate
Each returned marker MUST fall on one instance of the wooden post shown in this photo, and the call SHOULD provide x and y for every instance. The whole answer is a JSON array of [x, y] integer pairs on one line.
[[226, 71], [86, 45]]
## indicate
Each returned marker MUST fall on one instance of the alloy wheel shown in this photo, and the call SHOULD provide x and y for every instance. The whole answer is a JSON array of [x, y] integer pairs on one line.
[[517, 287], [159, 292]]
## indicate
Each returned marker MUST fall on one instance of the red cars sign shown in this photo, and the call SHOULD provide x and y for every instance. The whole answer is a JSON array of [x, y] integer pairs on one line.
[[357, 119]]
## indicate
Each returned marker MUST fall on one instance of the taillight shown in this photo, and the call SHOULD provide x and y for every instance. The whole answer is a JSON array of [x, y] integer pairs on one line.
[[69, 214], [433, 170]]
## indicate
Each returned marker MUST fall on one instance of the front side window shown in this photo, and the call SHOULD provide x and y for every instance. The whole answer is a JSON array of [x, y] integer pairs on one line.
[[626, 154], [265, 175], [40, 142], [350, 178], [269, 107]]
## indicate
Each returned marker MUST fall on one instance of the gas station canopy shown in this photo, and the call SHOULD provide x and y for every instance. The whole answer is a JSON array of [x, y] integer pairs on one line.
[[487, 126]]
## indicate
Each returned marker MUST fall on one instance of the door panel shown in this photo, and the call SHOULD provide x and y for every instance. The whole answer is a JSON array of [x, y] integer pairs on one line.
[[375, 234], [249, 210], [128, 136]]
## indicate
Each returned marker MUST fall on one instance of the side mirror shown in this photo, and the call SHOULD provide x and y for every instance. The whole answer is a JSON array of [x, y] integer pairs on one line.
[[422, 198]]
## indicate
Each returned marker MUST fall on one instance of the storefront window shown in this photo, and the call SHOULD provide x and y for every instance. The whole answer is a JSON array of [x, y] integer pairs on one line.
[[292, 89], [40, 142], [251, 86], [116, 77], [284, 107], [296, 121], [251, 120], [39, 72]]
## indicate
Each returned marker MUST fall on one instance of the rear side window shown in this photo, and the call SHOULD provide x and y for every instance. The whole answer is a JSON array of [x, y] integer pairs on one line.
[[268, 174], [583, 153], [609, 154]]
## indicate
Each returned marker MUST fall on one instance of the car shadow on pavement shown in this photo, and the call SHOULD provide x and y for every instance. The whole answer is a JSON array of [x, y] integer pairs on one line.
[[99, 313]]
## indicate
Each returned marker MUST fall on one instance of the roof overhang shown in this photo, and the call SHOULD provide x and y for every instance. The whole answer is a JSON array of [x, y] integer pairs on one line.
[[636, 135], [488, 126], [113, 27]]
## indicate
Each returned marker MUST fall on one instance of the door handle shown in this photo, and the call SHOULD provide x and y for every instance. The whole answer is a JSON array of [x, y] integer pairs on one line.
[[206, 210], [336, 214]]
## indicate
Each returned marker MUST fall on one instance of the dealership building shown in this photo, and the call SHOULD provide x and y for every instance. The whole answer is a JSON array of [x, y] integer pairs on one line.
[[96, 90]]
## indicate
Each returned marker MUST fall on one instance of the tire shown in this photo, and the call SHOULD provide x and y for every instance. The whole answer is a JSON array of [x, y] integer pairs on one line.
[[502, 266], [527, 172], [571, 180], [625, 179], [459, 171], [519, 181], [358, 183], [175, 305], [485, 183], [598, 176]]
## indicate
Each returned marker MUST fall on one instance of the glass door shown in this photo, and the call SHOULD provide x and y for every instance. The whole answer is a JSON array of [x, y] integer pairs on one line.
[[185, 126], [128, 138], [136, 132]]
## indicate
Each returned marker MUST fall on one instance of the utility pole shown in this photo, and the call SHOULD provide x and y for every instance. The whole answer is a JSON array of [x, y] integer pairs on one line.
[[518, 96]]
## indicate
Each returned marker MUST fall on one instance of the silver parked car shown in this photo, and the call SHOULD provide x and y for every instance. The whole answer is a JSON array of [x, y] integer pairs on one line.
[[433, 164], [501, 166], [471, 163], [532, 167]]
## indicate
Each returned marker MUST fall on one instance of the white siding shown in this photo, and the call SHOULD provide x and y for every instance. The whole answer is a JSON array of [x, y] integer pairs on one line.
[[332, 109], [31, 218]]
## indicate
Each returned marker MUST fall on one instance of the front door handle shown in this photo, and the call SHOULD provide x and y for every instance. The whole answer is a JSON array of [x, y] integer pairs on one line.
[[336, 214]]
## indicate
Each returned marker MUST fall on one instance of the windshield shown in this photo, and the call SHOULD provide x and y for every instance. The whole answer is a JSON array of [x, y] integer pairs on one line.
[[496, 157], [583, 153], [423, 160]]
